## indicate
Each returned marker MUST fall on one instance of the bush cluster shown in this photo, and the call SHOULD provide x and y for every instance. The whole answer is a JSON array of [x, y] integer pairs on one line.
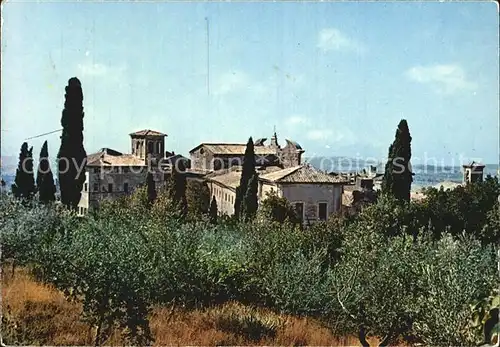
[[383, 272]]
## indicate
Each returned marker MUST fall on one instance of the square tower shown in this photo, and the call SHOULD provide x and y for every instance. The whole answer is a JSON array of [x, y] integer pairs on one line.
[[473, 172], [148, 144]]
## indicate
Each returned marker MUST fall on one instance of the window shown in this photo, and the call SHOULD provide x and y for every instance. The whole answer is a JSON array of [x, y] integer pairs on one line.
[[86, 187], [158, 147], [96, 170], [150, 147], [322, 210], [299, 209], [110, 187], [96, 187], [125, 187]]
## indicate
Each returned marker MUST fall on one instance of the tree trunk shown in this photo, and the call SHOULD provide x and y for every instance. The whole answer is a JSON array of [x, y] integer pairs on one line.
[[98, 333], [13, 269], [385, 341], [362, 337]]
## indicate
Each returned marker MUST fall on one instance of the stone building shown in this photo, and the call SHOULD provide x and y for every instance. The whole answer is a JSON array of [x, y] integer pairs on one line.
[[314, 194], [148, 143], [111, 174], [218, 156], [473, 172]]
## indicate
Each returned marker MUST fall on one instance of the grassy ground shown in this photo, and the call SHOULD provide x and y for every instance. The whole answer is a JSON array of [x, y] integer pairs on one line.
[[38, 314]]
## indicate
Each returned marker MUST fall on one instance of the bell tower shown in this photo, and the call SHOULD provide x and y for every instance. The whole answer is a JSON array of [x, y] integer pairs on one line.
[[473, 172], [148, 144]]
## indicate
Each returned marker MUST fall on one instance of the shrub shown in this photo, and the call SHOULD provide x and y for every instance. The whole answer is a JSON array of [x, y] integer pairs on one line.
[[485, 314], [402, 286], [455, 273], [246, 321]]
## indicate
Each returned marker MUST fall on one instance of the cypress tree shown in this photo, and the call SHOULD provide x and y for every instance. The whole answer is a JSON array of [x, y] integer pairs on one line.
[[44, 178], [24, 183], [72, 155], [179, 184], [213, 211], [248, 171], [250, 201], [398, 176], [151, 188]]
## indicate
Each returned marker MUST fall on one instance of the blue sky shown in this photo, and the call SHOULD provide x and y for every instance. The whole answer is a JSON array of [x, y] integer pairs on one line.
[[335, 77]]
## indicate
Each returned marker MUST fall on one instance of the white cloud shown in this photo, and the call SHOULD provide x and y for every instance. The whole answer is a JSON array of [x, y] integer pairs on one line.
[[443, 78], [319, 134], [97, 69], [296, 120], [92, 69], [339, 134], [233, 81], [331, 39]]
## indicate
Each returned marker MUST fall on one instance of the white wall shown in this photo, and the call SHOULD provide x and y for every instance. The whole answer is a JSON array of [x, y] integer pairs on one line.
[[312, 194], [266, 187], [224, 196], [83, 205]]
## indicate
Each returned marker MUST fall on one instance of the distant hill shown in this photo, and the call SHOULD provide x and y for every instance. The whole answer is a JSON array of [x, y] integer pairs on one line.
[[344, 164]]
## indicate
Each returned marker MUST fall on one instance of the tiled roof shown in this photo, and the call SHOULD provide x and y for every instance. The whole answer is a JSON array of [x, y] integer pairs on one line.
[[301, 174], [474, 165], [230, 179], [294, 144], [147, 132], [298, 174], [234, 149], [109, 157]]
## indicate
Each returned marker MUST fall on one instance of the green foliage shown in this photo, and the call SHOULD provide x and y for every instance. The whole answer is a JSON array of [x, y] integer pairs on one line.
[[246, 321], [374, 269], [24, 183], [106, 266], [490, 232], [25, 227], [298, 283], [44, 178], [72, 155], [151, 187], [398, 176], [250, 201], [390, 217], [213, 211], [430, 285], [178, 189], [485, 315], [455, 273], [470, 208], [277, 209], [248, 171], [198, 198], [380, 272]]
